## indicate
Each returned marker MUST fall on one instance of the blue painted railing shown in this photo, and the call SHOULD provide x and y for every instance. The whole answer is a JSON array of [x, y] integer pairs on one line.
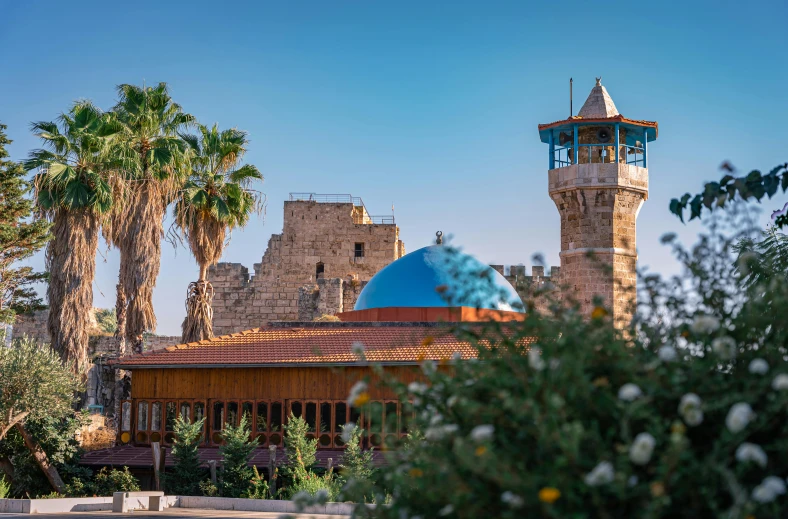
[[563, 156]]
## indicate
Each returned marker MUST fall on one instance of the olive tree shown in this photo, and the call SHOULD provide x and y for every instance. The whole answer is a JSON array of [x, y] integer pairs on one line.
[[34, 383]]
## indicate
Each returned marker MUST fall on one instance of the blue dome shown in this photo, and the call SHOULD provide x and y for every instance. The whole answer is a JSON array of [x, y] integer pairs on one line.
[[438, 276]]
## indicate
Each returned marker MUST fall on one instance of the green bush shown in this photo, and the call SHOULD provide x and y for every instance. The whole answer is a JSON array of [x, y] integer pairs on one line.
[[57, 437], [186, 474], [296, 440], [236, 474], [104, 483], [683, 413], [301, 456], [5, 488]]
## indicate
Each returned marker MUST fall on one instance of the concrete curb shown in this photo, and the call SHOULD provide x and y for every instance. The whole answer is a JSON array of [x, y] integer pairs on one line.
[[54, 506], [261, 505]]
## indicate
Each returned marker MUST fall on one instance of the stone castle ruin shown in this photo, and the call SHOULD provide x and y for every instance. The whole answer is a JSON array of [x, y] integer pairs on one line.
[[328, 249]]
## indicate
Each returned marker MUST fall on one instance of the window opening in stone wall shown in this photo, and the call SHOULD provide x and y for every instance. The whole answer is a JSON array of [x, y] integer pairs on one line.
[[359, 250], [319, 270]]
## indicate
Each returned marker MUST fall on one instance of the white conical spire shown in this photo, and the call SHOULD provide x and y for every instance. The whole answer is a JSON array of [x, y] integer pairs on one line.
[[599, 104]]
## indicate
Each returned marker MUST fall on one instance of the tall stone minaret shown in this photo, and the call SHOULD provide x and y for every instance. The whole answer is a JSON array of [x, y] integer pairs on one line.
[[598, 179]]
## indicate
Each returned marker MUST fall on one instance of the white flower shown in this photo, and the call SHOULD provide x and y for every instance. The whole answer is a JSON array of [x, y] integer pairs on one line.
[[321, 496], [356, 391], [436, 419], [763, 494], [632, 481], [451, 401], [428, 367], [629, 392], [705, 324], [439, 432], [780, 382], [357, 348], [724, 347], [738, 417], [775, 483], [446, 510], [667, 354], [535, 359], [482, 433], [512, 499], [347, 432], [555, 364], [758, 366], [417, 388], [747, 452], [689, 409], [602, 474], [641, 449]]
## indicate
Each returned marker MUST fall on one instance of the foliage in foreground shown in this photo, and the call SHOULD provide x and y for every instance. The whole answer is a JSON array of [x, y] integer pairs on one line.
[[104, 483], [57, 437], [186, 474], [236, 475], [682, 414], [301, 457], [34, 384]]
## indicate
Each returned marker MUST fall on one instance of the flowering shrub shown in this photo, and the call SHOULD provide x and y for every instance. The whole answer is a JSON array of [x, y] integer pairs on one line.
[[683, 413]]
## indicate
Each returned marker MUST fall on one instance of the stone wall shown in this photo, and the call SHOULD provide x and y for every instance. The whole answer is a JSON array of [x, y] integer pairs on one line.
[[318, 243], [599, 205]]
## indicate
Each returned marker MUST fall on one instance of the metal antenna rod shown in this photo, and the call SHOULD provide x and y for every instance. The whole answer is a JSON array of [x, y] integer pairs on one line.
[[571, 110]]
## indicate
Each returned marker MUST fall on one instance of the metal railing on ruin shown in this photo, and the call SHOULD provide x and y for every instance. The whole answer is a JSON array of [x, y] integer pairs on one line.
[[360, 219]]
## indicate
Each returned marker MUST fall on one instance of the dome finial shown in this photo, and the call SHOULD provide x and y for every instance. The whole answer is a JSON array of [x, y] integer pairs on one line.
[[599, 81], [439, 238]]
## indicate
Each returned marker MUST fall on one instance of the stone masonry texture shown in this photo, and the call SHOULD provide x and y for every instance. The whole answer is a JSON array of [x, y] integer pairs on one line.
[[598, 204], [317, 248]]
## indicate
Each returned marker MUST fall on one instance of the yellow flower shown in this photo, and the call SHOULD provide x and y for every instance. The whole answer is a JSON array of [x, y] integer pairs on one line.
[[549, 495], [428, 340], [361, 399], [601, 382], [415, 473], [480, 450], [598, 312], [657, 489]]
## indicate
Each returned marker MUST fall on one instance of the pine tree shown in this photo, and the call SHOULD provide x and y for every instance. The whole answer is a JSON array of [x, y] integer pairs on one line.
[[21, 235], [236, 476], [356, 463], [186, 475], [296, 442]]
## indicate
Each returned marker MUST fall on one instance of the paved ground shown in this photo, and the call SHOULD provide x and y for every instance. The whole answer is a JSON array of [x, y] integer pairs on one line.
[[171, 513]]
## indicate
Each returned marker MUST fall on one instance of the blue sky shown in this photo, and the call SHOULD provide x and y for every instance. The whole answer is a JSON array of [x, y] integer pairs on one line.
[[430, 106]]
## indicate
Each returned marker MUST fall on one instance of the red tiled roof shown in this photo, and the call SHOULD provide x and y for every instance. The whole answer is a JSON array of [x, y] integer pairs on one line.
[[142, 457], [312, 344]]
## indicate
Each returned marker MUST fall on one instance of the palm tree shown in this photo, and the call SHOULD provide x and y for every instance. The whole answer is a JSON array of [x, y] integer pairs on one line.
[[72, 190], [216, 198], [151, 155]]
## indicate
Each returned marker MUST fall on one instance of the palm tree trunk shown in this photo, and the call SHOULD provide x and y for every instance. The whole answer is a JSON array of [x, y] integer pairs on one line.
[[198, 323], [142, 249], [41, 458], [71, 261]]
